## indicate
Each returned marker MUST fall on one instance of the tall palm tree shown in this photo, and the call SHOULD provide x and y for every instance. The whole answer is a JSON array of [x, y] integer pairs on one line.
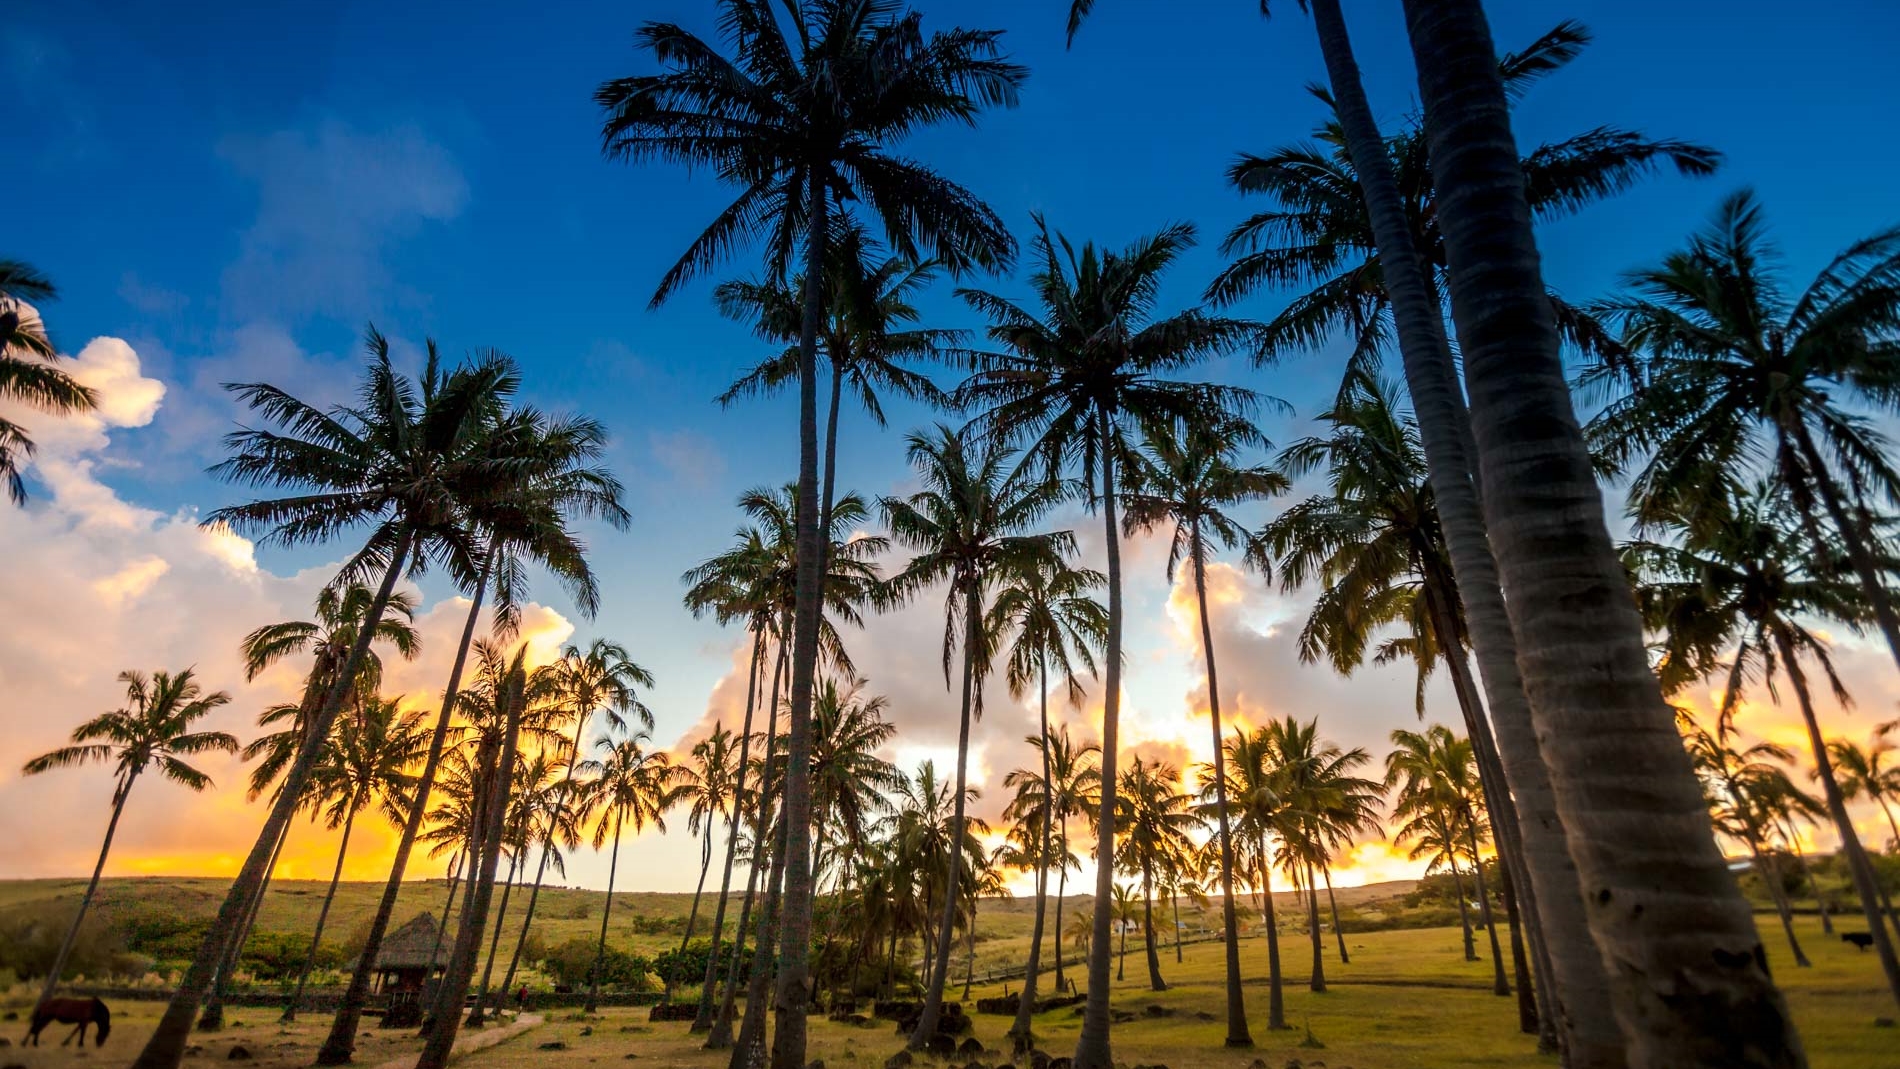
[[1319, 800], [1742, 580], [1125, 903], [412, 460], [1623, 786], [1070, 783], [602, 678], [1439, 799], [1076, 377], [1726, 365], [802, 124], [1741, 782], [1868, 774], [1257, 791], [557, 479], [1190, 479], [29, 371], [971, 524], [851, 784], [1157, 824], [153, 730], [633, 787], [366, 764], [708, 776], [551, 817], [1056, 622]]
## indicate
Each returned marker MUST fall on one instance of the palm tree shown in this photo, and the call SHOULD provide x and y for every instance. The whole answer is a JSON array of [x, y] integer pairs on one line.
[[1726, 365], [1081, 931], [1256, 789], [1739, 579], [1865, 773], [414, 461], [1056, 622], [551, 817], [1155, 826], [971, 524], [1068, 787], [802, 125], [601, 678], [28, 368], [1190, 479], [1125, 903], [1624, 789], [1439, 800], [633, 787], [556, 480], [1076, 376], [851, 784], [1741, 784], [154, 729], [708, 777], [366, 764], [1319, 802]]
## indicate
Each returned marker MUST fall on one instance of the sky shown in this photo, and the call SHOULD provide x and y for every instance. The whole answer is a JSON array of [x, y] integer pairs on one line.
[[233, 194]]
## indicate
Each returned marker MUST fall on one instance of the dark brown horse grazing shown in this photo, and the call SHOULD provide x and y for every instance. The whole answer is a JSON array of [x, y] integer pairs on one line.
[[79, 1011]]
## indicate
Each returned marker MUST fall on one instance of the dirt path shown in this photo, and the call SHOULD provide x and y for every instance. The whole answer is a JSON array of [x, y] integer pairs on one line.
[[471, 1041]]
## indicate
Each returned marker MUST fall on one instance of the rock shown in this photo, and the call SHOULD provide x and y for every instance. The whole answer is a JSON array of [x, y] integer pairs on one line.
[[941, 1045], [819, 1063], [970, 1047], [5, 1042], [1155, 1010], [898, 1060], [1058, 1063], [1039, 1060], [630, 1057], [589, 1030], [858, 1020], [1883, 1022], [552, 1044], [239, 1053], [1121, 1016], [11, 1015], [15, 1065], [194, 1049], [1203, 1015], [1257, 1063]]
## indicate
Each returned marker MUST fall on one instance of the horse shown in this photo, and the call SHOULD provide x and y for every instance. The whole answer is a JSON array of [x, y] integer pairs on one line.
[[79, 1011]]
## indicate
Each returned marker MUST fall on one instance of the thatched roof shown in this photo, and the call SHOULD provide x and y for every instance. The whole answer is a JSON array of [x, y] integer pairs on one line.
[[408, 947]]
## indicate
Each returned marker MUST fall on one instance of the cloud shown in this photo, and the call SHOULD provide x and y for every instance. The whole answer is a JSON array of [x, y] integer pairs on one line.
[[97, 584], [332, 201], [689, 458], [151, 299]]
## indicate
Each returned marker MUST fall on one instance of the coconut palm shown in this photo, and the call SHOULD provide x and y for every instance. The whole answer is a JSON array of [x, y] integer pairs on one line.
[[1126, 903], [1157, 824], [1079, 372], [1727, 365], [802, 124], [972, 524], [1190, 478], [1742, 783], [366, 764], [1868, 774], [29, 371], [708, 776], [632, 786], [552, 819], [553, 465], [412, 460], [1068, 786], [1623, 788], [1056, 621], [1256, 790], [1737, 585], [152, 730], [1439, 800], [851, 784]]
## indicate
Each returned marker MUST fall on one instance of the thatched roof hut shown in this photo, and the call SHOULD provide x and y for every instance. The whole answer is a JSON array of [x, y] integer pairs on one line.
[[409, 948]]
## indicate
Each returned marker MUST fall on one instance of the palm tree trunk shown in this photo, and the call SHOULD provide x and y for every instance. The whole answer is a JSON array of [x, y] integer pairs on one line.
[[788, 1040], [1276, 992], [1529, 1018], [1174, 907], [1552, 896], [166, 1047], [953, 860], [478, 1013], [1155, 982], [1865, 880], [92, 887], [1688, 962], [705, 867], [323, 916], [448, 906], [540, 871], [468, 938], [211, 1019], [1339, 933], [748, 1052], [703, 1019], [969, 965], [1020, 1032], [1807, 875], [721, 1036], [1062, 891], [1092, 1050], [521, 941], [1238, 1035], [600, 946], [1771, 876], [1458, 886], [1121, 955], [1318, 981], [341, 1042], [1507, 819], [1500, 985]]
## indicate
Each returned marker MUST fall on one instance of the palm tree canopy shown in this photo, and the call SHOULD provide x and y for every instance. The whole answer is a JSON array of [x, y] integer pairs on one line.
[[1188, 475], [1057, 620], [28, 373], [786, 114], [153, 729]]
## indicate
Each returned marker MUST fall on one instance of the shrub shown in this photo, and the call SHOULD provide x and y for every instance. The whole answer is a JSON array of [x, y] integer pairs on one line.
[[571, 964]]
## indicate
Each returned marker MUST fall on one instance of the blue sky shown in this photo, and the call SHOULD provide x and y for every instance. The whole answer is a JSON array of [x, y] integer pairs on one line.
[[235, 191]]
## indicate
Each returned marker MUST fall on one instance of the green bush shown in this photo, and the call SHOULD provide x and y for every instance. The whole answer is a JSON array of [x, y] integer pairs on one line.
[[571, 964]]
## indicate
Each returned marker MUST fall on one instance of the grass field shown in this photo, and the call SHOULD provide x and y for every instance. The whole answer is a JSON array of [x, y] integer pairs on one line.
[[1407, 999]]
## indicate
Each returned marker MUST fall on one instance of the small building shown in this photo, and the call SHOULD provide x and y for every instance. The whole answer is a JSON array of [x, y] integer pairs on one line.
[[411, 958]]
